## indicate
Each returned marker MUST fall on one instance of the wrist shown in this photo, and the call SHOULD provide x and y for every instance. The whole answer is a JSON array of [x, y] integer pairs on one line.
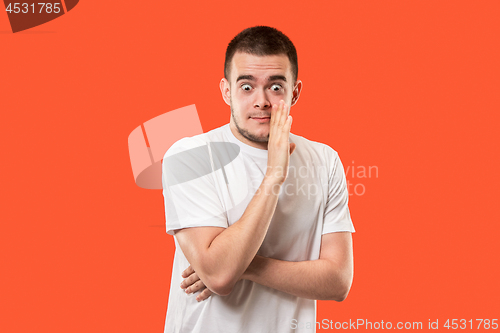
[[272, 182], [248, 273], [252, 270], [275, 175]]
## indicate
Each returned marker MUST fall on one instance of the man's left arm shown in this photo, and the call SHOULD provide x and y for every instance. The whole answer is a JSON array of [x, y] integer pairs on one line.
[[328, 278]]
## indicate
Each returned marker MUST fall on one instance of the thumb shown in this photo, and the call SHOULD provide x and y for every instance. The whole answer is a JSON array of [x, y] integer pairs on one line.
[[292, 147]]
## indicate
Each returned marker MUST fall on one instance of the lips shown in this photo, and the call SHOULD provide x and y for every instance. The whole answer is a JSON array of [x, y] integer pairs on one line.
[[261, 119]]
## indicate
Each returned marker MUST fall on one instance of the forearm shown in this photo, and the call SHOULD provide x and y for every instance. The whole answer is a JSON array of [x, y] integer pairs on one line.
[[321, 279], [227, 257]]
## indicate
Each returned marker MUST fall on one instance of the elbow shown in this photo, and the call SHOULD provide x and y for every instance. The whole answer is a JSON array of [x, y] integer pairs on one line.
[[217, 280], [338, 295], [341, 291], [343, 283], [220, 285], [221, 289], [341, 296]]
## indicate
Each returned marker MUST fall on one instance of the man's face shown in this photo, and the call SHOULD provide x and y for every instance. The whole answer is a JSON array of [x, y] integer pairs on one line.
[[255, 84]]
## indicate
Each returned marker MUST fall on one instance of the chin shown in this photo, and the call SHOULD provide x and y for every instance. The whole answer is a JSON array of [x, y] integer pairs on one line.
[[262, 136], [256, 136]]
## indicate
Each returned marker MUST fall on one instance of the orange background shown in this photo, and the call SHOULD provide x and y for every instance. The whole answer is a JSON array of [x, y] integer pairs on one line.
[[410, 87]]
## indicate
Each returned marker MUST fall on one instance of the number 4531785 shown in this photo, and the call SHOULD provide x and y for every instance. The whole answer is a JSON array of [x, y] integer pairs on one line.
[[468, 324], [41, 7]]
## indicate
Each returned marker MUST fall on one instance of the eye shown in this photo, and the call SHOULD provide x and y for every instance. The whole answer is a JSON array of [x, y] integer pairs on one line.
[[246, 87], [276, 87]]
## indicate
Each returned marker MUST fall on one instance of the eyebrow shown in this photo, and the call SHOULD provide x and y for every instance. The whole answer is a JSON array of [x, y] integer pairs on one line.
[[252, 78]]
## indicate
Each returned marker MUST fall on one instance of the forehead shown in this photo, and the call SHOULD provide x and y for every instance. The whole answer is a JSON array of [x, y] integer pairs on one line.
[[260, 66]]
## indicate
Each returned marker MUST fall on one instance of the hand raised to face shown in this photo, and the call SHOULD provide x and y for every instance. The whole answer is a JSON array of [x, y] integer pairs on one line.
[[279, 148]]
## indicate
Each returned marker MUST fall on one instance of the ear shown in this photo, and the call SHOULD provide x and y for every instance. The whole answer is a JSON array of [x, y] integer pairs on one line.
[[225, 90], [296, 92]]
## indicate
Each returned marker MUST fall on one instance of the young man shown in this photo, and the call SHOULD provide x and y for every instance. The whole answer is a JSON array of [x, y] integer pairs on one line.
[[260, 216]]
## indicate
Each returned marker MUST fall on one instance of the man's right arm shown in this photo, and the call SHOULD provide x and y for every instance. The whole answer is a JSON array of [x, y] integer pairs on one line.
[[221, 255]]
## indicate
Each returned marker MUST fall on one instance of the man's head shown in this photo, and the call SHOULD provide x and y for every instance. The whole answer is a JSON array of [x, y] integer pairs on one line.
[[261, 41], [260, 70]]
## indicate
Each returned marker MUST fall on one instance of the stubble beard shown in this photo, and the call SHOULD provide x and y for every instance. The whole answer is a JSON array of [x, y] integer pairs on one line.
[[246, 134]]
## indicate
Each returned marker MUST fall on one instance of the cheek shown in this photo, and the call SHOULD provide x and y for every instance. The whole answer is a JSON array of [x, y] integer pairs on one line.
[[241, 102], [241, 96], [275, 99]]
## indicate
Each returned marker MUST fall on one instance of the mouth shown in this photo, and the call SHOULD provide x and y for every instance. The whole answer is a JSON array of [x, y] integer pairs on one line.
[[261, 119]]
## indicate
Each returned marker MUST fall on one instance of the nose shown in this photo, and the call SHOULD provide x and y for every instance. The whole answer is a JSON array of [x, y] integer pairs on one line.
[[261, 100]]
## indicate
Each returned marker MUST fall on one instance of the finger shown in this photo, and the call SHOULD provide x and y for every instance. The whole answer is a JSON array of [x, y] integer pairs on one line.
[[188, 271], [198, 285], [288, 124], [274, 110], [206, 293], [282, 114], [191, 279], [285, 132], [292, 147], [276, 113]]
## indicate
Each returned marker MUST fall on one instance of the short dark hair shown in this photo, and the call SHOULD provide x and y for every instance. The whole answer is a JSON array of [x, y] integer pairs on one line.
[[261, 41]]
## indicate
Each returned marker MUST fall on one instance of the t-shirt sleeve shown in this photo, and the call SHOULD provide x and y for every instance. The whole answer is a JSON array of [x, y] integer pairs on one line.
[[189, 189], [337, 216]]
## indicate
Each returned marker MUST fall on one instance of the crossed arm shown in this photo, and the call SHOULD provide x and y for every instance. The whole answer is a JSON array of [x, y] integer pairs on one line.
[[220, 256], [328, 278]]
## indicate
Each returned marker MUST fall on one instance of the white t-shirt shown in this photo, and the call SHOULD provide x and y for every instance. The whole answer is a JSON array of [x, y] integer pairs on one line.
[[312, 202]]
